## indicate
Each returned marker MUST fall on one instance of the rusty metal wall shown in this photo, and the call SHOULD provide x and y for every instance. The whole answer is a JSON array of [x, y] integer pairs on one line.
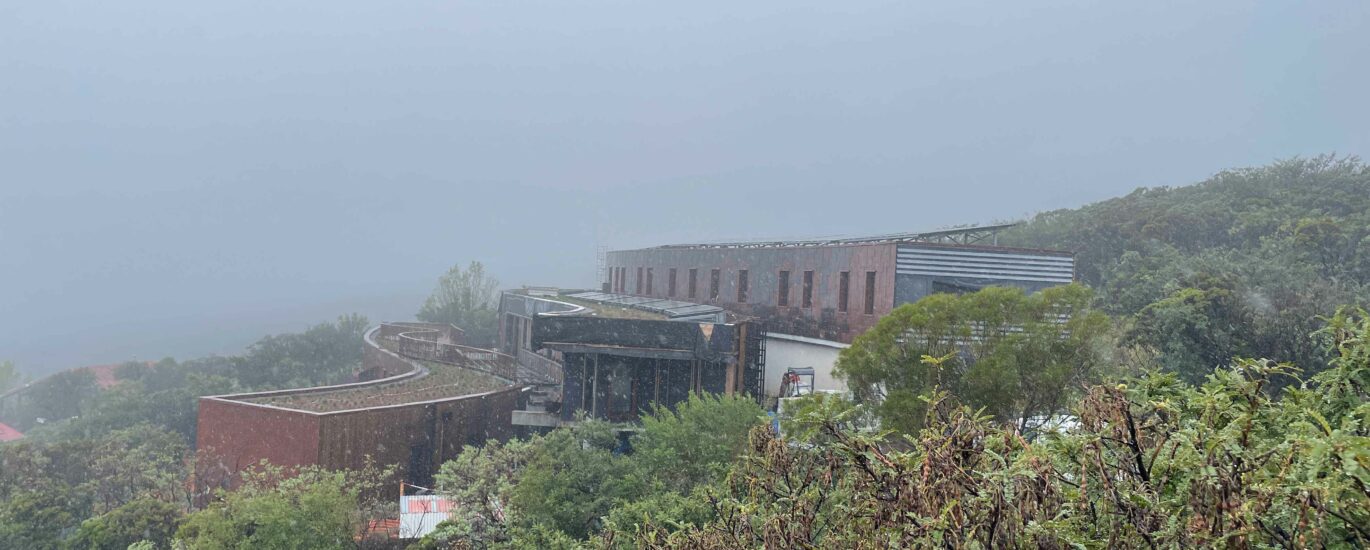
[[821, 320], [390, 435], [233, 436]]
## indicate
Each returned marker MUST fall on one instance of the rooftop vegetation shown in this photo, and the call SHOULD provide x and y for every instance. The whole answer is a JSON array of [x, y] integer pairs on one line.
[[443, 381]]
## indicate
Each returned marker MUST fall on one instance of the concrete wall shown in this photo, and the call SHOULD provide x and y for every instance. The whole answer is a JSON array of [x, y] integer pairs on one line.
[[784, 351]]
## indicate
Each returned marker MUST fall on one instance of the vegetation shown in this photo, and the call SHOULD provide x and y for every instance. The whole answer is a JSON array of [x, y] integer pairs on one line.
[[1242, 264], [468, 299], [1126, 416], [107, 469], [72, 405], [442, 381], [1015, 355], [47, 489], [1154, 463], [307, 508], [555, 489], [9, 376]]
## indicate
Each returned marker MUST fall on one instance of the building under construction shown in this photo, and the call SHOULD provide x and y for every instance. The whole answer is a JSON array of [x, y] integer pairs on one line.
[[620, 355], [832, 289]]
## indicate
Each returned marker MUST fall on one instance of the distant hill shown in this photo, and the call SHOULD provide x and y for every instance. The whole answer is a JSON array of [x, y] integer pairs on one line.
[[1240, 264]]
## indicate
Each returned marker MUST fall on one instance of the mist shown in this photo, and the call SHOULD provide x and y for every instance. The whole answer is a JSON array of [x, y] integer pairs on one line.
[[180, 179]]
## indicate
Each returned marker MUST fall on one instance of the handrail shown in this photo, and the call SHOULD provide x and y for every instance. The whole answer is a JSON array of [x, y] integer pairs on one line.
[[423, 343]]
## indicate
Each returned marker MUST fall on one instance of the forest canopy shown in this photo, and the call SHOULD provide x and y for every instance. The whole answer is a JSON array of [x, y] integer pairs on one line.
[[1242, 264]]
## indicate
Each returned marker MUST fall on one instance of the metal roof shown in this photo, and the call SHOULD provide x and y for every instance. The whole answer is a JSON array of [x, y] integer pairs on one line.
[[962, 235], [9, 434], [671, 309]]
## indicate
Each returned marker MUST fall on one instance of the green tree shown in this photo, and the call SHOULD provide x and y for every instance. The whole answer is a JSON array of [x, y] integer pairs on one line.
[[327, 353], [693, 443], [1323, 241], [1152, 463], [1017, 355], [306, 508], [9, 376], [468, 299], [56, 398], [143, 460], [571, 480], [38, 518], [1291, 240], [1196, 328], [142, 519], [481, 481], [562, 486]]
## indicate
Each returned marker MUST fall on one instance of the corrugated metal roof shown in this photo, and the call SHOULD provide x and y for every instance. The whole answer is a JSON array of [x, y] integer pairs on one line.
[[960, 235]]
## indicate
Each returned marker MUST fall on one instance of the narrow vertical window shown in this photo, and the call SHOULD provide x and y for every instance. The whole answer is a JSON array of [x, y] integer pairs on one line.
[[713, 284], [649, 281], [670, 283], [784, 298], [693, 276], [843, 290], [741, 286], [870, 292], [637, 285], [808, 289]]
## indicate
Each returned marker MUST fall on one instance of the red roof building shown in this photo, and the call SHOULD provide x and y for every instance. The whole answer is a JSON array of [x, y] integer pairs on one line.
[[9, 434]]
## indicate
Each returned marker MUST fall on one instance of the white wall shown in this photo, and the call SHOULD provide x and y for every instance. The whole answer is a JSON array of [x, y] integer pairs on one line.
[[784, 351]]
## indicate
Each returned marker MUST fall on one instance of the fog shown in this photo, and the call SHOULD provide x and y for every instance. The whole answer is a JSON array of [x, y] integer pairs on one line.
[[178, 178]]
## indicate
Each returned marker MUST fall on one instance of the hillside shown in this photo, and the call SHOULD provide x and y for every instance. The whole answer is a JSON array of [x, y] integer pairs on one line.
[[1243, 263]]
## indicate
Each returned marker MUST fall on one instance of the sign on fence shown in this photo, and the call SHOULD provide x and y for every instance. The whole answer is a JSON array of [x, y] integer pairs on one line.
[[420, 514]]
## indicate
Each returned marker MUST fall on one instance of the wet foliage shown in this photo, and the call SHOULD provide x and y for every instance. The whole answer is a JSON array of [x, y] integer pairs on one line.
[[1153, 463], [1017, 355], [566, 486]]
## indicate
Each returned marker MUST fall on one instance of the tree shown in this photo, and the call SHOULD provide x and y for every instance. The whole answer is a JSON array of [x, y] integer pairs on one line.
[[1291, 240], [1324, 242], [1196, 328], [9, 376], [142, 519], [144, 460], [481, 481], [38, 518], [1152, 463], [47, 488], [277, 508], [468, 299], [1016, 354], [693, 443], [572, 480], [56, 398], [326, 353]]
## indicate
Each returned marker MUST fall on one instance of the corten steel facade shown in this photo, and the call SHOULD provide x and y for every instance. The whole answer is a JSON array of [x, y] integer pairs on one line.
[[236, 432], [832, 290]]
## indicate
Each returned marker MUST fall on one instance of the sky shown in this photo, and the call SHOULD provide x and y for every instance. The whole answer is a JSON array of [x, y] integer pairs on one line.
[[182, 178]]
